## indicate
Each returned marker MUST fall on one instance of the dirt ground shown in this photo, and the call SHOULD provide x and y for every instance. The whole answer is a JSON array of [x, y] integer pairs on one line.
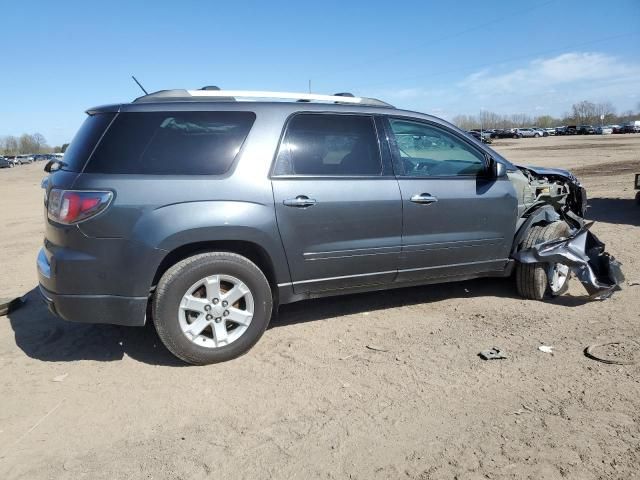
[[311, 400]]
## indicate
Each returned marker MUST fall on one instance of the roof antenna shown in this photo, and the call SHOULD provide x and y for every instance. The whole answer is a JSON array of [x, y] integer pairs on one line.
[[141, 87]]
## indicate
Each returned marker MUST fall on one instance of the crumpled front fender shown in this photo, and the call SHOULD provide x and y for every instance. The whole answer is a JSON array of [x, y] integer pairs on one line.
[[599, 272]]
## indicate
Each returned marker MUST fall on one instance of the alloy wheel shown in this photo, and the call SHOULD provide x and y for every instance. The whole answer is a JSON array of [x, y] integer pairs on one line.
[[558, 275], [216, 311]]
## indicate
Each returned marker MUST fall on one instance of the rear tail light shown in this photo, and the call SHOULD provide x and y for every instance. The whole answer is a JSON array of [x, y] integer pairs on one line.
[[73, 206]]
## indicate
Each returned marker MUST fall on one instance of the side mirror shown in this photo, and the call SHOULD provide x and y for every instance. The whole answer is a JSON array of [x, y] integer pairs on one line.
[[498, 169], [53, 165]]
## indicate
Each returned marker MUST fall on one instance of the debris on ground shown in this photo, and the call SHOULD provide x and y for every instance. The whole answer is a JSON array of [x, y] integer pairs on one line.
[[613, 353], [60, 378], [376, 348], [524, 409], [492, 354], [7, 305], [546, 348]]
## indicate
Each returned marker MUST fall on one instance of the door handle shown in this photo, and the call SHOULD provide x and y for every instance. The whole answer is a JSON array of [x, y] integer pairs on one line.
[[301, 201], [424, 198]]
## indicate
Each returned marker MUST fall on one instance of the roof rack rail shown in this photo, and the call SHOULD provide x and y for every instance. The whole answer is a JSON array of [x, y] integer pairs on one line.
[[209, 94]]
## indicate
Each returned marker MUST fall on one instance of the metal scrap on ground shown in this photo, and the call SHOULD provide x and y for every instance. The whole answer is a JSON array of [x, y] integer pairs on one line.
[[493, 354], [589, 352], [7, 305]]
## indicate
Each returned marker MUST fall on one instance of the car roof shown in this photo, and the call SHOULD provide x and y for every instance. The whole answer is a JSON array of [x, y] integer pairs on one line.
[[264, 103], [211, 98]]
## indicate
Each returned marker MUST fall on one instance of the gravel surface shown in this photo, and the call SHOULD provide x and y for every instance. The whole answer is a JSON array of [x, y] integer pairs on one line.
[[370, 386]]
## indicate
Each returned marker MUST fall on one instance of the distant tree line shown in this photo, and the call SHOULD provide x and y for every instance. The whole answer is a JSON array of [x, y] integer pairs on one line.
[[582, 113], [27, 143]]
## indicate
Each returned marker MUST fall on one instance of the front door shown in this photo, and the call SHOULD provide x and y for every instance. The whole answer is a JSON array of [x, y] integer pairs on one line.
[[337, 203], [457, 219]]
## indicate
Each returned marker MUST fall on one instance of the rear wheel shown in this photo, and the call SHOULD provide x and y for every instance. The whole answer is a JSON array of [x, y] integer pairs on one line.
[[535, 280], [212, 307]]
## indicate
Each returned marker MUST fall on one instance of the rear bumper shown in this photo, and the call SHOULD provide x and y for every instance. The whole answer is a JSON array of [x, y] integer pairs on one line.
[[128, 311], [114, 309]]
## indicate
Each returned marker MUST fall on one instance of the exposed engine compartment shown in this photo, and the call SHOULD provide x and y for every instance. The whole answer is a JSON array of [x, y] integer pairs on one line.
[[558, 188]]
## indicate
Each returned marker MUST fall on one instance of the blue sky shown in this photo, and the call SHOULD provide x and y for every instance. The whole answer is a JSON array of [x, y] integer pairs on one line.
[[444, 58]]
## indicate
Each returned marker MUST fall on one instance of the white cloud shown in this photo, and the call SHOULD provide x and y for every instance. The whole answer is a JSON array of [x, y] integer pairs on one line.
[[544, 85], [554, 73]]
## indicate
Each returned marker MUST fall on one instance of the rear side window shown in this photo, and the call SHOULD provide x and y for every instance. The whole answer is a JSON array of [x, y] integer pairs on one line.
[[171, 143], [85, 141], [333, 145]]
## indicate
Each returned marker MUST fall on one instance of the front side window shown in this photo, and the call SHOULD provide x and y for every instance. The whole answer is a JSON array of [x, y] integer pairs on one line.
[[171, 143], [329, 145], [427, 151]]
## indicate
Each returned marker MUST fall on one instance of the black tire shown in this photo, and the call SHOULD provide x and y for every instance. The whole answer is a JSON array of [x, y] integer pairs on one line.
[[515, 136], [531, 278], [537, 135], [638, 198], [175, 283]]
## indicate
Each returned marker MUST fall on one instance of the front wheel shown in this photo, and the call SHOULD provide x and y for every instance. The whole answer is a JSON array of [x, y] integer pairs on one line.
[[212, 307], [535, 280]]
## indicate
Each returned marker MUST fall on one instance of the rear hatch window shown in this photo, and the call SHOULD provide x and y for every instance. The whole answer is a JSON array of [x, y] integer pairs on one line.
[[85, 141], [171, 143]]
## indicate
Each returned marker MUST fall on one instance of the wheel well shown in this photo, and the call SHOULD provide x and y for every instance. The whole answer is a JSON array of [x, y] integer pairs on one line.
[[252, 251], [542, 214]]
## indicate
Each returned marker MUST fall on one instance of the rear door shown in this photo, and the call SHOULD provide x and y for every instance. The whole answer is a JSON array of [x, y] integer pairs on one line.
[[337, 202], [457, 220]]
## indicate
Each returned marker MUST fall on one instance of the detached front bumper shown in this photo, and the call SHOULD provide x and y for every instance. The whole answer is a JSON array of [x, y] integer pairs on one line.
[[113, 309], [599, 272]]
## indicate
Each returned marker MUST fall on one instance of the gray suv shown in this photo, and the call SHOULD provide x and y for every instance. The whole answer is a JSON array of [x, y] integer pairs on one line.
[[203, 212]]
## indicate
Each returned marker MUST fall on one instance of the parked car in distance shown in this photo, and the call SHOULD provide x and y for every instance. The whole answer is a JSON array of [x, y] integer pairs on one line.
[[632, 127], [617, 129], [543, 131], [12, 159], [24, 159], [483, 137], [5, 163], [604, 130], [506, 133], [528, 132], [550, 131], [203, 213], [586, 130], [571, 130]]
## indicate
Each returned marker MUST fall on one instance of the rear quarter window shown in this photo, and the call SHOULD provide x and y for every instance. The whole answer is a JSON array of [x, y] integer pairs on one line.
[[171, 143], [85, 141]]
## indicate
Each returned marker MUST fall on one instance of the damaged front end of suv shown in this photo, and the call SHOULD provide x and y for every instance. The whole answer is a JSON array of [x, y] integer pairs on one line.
[[550, 195]]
